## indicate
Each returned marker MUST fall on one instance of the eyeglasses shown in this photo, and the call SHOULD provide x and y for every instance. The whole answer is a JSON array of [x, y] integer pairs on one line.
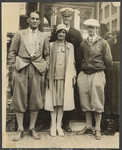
[[91, 27]]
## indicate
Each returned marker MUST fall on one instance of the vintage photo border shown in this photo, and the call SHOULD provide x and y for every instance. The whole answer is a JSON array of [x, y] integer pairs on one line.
[[3, 70]]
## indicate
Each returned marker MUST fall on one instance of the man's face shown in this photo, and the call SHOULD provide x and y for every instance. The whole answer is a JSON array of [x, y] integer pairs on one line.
[[33, 21], [67, 19], [92, 31]]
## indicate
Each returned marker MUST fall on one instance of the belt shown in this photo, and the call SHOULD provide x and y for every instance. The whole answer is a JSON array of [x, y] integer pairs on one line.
[[89, 72], [28, 58]]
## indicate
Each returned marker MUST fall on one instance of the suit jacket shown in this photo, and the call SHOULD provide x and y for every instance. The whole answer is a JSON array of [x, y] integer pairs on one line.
[[69, 76], [19, 54], [74, 37]]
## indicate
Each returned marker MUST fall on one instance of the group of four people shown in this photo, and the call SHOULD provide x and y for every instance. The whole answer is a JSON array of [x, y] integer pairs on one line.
[[44, 74]]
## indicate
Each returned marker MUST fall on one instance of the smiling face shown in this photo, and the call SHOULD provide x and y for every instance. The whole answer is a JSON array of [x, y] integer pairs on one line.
[[92, 31], [61, 34], [33, 20], [67, 19]]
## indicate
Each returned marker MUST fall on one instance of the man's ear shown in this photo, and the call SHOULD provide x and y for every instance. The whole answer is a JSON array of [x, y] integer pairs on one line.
[[28, 20], [39, 21], [71, 17]]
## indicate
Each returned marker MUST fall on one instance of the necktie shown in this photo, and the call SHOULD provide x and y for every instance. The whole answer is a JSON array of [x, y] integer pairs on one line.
[[33, 43], [91, 41]]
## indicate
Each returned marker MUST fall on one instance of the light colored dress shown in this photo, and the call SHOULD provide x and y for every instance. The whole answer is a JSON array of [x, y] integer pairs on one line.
[[60, 85], [59, 76]]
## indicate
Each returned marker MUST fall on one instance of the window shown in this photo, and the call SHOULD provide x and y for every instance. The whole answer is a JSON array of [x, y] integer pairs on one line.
[[114, 25], [22, 8], [113, 9], [101, 14], [106, 11], [108, 26]]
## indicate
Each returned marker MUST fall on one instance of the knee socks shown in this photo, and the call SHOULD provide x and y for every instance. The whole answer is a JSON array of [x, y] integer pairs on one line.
[[19, 117], [98, 117], [88, 119], [33, 118]]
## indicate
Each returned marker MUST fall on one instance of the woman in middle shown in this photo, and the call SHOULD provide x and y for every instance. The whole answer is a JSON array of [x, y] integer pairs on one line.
[[61, 79]]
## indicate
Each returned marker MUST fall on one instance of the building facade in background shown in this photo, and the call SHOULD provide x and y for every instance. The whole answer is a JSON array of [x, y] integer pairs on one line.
[[110, 15], [107, 13]]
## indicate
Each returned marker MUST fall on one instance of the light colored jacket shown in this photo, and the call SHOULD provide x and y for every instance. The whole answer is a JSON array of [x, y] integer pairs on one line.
[[19, 53], [69, 78]]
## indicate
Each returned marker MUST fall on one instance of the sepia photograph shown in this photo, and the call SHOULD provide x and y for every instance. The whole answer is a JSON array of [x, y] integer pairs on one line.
[[61, 75]]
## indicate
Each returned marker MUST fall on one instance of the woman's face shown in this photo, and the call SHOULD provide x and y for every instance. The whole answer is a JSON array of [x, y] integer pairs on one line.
[[61, 34]]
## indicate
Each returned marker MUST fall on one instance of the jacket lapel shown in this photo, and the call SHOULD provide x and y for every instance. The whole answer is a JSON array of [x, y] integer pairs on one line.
[[53, 57], [26, 39], [67, 53], [39, 40]]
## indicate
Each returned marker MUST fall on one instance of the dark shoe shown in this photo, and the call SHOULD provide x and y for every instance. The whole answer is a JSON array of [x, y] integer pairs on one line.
[[67, 128], [42, 127], [98, 135], [84, 131], [93, 131], [34, 134], [18, 135]]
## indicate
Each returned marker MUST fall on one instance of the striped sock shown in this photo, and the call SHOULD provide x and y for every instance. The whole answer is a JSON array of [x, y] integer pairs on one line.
[[33, 118], [19, 117]]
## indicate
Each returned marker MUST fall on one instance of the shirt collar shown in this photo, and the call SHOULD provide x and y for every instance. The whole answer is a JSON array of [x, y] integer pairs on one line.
[[67, 28], [96, 38], [30, 30], [93, 38]]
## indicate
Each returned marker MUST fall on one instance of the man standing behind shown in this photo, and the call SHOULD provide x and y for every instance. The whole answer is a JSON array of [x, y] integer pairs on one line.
[[29, 61], [74, 37]]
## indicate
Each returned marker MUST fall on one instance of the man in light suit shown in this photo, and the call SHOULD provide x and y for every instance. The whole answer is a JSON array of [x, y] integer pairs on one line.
[[29, 60]]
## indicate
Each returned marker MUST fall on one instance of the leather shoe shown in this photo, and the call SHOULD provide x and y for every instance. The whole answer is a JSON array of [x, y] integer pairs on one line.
[[84, 131], [98, 135], [18, 135], [42, 127], [93, 131], [67, 128], [34, 134]]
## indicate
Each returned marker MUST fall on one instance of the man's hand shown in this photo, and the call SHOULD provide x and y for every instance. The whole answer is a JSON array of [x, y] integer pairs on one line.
[[12, 68], [74, 81], [33, 56], [75, 78]]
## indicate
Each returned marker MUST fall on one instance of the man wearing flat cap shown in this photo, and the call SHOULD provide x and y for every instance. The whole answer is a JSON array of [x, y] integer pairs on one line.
[[91, 79], [74, 37]]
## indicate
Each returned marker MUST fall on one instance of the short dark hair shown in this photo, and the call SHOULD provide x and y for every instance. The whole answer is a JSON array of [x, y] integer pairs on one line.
[[60, 31], [34, 12]]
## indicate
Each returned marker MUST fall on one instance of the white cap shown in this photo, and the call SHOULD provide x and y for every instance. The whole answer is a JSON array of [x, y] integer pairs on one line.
[[61, 26], [66, 11], [91, 22]]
